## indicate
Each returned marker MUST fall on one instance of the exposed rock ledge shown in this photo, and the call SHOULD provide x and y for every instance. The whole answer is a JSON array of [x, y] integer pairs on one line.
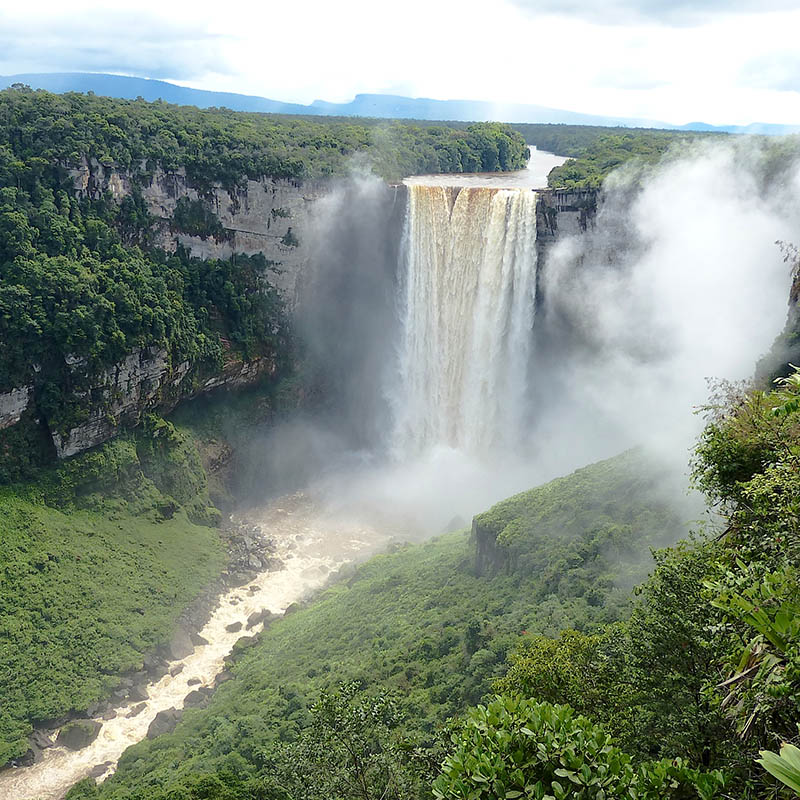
[[13, 405], [146, 380], [257, 215]]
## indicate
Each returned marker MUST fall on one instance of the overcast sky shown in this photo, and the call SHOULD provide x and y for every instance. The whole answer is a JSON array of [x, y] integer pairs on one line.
[[734, 61]]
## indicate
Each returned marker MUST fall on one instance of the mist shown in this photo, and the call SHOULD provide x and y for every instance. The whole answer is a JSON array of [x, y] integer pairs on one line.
[[679, 280]]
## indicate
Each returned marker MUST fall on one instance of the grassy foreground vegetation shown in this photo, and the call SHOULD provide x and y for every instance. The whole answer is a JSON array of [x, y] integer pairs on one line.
[[98, 559]]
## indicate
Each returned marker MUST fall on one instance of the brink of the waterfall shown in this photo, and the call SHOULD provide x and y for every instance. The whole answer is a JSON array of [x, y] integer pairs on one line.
[[467, 303]]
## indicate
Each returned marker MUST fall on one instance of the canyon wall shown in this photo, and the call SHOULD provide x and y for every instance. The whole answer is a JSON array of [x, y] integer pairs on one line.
[[267, 216], [270, 216], [273, 217]]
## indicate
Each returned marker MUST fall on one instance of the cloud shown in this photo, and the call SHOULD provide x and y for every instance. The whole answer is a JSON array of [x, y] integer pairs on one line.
[[627, 78], [677, 13], [137, 42], [779, 71]]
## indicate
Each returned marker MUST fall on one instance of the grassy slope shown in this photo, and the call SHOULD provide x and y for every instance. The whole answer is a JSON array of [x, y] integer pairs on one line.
[[418, 621], [94, 574], [600, 514]]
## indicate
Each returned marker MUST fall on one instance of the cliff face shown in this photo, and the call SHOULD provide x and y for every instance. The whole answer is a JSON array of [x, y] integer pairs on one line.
[[13, 405], [563, 212], [143, 381], [490, 558], [268, 216]]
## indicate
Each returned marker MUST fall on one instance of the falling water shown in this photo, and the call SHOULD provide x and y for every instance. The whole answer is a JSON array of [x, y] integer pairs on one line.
[[468, 303]]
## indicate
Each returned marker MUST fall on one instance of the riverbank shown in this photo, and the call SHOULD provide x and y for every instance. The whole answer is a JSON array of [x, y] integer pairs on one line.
[[299, 555]]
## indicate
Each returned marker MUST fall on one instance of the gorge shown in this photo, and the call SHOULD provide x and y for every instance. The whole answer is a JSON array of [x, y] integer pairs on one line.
[[448, 340]]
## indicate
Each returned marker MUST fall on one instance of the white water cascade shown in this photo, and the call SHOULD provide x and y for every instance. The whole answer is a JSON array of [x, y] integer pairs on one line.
[[468, 304]]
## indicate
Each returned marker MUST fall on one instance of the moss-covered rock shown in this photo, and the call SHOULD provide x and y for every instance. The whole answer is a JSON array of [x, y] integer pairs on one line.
[[78, 734]]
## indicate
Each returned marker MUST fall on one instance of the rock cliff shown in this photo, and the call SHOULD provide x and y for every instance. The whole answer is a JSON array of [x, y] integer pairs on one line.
[[268, 216]]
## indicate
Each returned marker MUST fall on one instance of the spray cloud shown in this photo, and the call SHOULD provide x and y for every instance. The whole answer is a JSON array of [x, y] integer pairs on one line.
[[677, 281]]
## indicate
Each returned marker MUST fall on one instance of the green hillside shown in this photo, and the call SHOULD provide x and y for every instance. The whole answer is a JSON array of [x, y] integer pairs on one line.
[[419, 623], [99, 559]]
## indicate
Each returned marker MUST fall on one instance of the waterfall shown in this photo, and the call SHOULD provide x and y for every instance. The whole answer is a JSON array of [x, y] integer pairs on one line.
[[467, 306]]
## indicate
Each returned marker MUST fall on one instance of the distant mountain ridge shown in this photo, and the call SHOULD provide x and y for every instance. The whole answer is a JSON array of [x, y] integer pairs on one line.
[[383, 106]]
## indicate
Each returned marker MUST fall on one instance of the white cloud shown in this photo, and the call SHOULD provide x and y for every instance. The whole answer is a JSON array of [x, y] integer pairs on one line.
[[139, 41], [451, 49], [670, 12], [776, 70]]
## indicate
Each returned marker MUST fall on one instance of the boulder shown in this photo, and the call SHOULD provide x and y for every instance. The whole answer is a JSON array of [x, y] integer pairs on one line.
[[233, 627], [151, 662], [176, 670], [136, 710], [78, 734], [100, 770], [223, 677], [180, 645], [195, 698], [40, 740], [139, 694], [164, 722], [197, 639], [256, 618], [193, 682], [242, 644]]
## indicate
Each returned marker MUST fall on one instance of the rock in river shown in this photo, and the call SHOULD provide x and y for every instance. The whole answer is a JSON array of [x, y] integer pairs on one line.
[[79, 733]]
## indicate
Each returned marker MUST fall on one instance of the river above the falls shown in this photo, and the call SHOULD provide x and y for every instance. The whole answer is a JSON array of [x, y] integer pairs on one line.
[[311, 546], [534, 176]]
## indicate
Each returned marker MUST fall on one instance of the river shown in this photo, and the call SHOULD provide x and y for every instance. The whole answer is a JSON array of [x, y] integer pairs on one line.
[[310, 543]]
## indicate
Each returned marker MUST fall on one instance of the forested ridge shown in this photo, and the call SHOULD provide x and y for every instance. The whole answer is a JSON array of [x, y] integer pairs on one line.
[[228, 146], [595, 152]]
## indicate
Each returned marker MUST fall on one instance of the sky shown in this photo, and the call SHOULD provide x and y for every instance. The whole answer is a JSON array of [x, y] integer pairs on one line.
[[675, 61]]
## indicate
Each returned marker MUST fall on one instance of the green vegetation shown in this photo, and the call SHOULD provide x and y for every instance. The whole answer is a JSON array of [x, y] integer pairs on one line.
[[418, 623], [197, 218], [514, 747], [594, 152], [784, 766], [575, 140], [600, 515], [593, 159], [675, 697], [98, 559]]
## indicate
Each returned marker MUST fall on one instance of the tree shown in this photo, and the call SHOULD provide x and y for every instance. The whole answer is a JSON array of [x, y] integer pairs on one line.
[[349, 751]]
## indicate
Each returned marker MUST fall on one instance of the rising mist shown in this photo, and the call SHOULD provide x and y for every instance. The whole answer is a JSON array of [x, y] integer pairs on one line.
[[678, 280]]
